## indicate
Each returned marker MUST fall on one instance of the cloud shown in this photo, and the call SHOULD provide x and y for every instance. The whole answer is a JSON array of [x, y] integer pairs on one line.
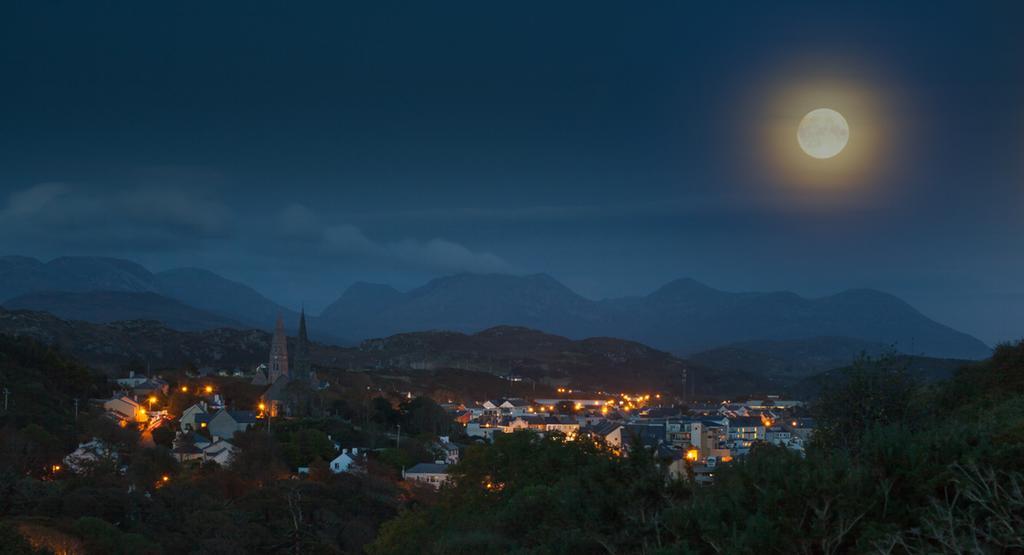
[[434, 254], [32, 201], [58, 215]]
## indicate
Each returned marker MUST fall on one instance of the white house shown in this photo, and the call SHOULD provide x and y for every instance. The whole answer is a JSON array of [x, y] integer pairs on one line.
[[432, 474], [188, 416], [225, 423], [125, 409], [88, 454], [345, 461], [131, 381], [485, 430], [220, 452], [448, 450]]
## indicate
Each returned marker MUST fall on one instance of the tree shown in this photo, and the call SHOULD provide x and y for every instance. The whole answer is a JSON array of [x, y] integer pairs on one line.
[[872, 392]]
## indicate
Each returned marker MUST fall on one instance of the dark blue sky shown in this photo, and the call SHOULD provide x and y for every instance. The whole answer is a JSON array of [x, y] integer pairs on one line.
[[615, 146]]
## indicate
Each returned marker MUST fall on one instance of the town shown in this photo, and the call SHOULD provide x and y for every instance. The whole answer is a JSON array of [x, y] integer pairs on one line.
[[202, 421]]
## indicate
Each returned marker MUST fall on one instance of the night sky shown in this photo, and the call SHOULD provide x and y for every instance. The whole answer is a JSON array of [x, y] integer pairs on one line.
[[300, 148]]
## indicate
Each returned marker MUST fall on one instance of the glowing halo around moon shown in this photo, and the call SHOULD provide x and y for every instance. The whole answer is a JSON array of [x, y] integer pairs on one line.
[[823, 133]]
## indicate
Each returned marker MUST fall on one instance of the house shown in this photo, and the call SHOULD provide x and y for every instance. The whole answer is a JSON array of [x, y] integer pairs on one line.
[[778, 435], [433, 474], [507, 407], [186, 451], [189, 446], [561, 423], [131, 380], [801, 427], [188, 416], [88, 454], [744, 431], [125, 410], [608, 432], [463, 417], [152, 386], [347, 461], [225, 423], [449, 451], [509, 424], [484, 430], [649, 434], [219, 451]]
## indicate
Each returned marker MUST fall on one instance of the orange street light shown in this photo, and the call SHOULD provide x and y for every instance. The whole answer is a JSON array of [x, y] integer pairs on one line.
[[152, 399], [184, 389], [692, 455], [209, 389]]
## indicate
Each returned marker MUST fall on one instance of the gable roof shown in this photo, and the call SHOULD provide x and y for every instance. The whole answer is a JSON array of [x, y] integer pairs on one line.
[[745, 422], [243, 416], [428, 468]]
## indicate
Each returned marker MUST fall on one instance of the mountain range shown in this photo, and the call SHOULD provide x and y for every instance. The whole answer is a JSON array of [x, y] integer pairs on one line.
[[683, 317]]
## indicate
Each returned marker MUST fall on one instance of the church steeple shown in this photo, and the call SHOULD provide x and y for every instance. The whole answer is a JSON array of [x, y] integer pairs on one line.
[[302, 367], [278, 364]]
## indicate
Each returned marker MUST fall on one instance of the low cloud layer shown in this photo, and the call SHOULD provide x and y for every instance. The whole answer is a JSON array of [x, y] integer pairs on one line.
[[62, 218], [434, 254]]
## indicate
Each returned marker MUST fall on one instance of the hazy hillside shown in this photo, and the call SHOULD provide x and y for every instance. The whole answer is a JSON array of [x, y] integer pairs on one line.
[[468, 303], [229, 302], [609, 363], [20, 275], [209, 291], [921, 369], [790, 359], [683, 316], [113, 306]]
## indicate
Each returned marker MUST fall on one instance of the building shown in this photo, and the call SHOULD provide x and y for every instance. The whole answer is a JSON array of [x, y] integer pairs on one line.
[[187, 420], [347, 461], [88, 454], [449, 451], [226, 423], [279, 396], [303, 369], [561, 423], [131, 380], [744, 431], [507, 407], [219, 451], [125, 410], [152, 386], [432, 474], [608, 432]]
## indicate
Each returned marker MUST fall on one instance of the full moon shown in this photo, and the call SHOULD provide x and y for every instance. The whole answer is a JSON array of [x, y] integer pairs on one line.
[[823, 133]]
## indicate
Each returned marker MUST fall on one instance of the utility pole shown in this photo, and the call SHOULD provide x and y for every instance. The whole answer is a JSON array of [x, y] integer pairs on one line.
[[76, 410], [7, 393], [398, 439]]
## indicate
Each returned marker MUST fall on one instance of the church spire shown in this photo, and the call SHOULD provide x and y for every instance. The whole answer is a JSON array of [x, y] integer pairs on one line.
[[278, 364], [303, 367]]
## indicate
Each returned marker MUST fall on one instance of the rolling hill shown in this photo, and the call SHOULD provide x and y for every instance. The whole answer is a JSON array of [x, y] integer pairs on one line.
[[113, 306]]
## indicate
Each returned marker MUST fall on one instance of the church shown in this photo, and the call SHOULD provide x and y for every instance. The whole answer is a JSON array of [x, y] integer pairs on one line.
[[285, 379]]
